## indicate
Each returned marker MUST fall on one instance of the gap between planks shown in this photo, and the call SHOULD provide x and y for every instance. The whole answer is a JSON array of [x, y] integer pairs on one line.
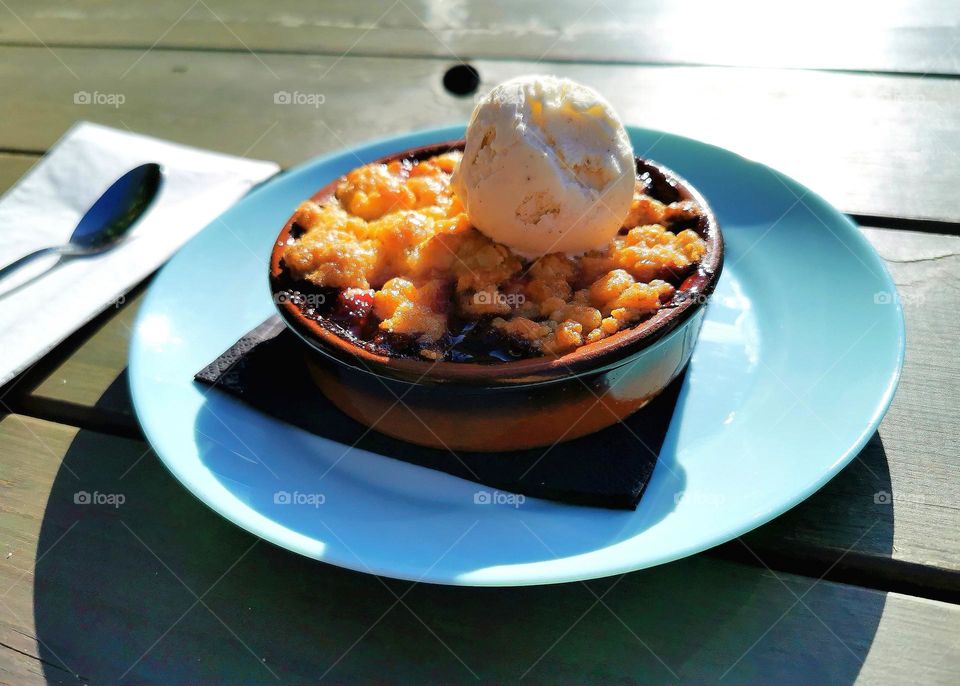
[[452, 59]]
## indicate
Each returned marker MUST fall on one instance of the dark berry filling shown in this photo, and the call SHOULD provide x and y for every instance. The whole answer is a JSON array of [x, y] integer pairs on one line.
[[349, 314], [656, 184]]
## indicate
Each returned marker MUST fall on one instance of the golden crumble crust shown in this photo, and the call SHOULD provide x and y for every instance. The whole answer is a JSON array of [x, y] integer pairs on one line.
[[398, 233]]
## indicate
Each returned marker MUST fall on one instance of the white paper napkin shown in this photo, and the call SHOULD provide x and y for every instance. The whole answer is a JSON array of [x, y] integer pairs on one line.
[[40, 304]]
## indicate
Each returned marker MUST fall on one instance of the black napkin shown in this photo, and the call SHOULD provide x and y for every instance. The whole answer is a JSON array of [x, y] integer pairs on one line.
[[610, 468]]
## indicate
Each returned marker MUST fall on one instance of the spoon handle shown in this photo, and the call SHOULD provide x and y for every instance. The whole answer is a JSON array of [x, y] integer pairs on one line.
[[16, 264]]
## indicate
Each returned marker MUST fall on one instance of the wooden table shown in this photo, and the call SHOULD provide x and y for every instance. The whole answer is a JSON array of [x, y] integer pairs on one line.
[[860, 102]]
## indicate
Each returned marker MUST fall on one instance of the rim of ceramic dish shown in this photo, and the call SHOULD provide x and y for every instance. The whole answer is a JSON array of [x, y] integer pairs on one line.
[[691, 296]]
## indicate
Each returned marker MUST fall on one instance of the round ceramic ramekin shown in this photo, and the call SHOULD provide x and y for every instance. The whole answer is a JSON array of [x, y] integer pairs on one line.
[[510, 405]]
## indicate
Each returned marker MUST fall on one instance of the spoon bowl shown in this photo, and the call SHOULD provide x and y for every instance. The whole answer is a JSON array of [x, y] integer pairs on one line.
[[109, 219]]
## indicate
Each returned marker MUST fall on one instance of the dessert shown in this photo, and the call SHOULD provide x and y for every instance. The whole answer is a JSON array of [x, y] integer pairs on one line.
[[439, 256], [426, 320]]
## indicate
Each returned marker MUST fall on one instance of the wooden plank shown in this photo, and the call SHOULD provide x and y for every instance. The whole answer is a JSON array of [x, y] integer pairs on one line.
[[819, 128], [917, 37], [78, 576], [13, 166]]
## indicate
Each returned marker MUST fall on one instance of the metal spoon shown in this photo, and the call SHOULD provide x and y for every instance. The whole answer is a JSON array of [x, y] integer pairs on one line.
[[110, 218]]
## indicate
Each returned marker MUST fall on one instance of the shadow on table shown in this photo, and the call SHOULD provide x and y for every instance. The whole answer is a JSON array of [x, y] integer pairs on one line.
[[159, 589]]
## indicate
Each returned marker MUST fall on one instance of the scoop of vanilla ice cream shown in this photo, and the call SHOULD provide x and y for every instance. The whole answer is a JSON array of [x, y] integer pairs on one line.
[[548, 167]]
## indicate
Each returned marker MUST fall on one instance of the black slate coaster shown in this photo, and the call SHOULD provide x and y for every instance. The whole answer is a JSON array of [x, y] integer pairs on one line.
[[610, 468]]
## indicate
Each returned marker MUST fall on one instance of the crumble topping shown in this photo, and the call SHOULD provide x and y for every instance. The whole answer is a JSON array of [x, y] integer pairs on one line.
[[397, 235]]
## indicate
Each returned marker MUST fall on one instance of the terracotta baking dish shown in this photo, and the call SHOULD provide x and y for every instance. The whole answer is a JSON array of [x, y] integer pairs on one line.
[[510, 405]]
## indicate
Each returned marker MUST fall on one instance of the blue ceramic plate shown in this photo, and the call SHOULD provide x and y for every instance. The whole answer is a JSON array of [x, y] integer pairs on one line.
[[797, 362]]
